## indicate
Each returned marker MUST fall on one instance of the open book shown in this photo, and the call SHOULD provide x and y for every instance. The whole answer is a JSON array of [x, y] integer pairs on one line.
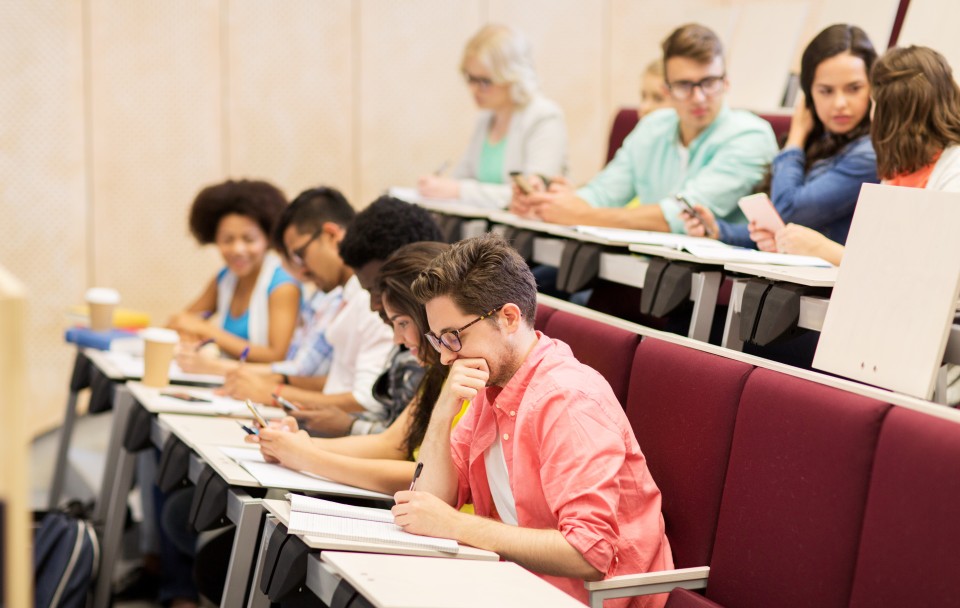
[[316, 517]]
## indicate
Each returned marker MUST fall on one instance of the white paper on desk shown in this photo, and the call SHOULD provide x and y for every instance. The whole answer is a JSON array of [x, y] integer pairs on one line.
[[132, 367], [736, 254], [242, 454], [318, 506], [644, 237], [362, 530], [272, 475], [218, 406]]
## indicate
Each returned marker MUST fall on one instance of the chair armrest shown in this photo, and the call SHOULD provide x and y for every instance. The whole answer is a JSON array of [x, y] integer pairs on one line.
[[646, 583]]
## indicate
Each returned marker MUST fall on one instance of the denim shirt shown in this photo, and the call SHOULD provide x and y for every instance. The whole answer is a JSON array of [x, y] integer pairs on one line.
[[823, 198]]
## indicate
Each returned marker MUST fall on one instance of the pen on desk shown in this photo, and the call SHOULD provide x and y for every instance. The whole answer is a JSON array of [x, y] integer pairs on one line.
[[416, 473], [247, 429], [204, 343], [442, 168]]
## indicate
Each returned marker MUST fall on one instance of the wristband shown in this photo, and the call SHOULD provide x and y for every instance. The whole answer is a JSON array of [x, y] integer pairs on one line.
[[285, 378]]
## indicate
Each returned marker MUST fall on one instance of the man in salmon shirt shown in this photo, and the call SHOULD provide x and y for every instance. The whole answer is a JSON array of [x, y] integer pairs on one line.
[[545, 452]]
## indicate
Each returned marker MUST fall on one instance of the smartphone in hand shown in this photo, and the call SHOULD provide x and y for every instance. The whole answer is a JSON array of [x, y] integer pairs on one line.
[[521, 181], [257, 416], [689, 209], [759, 209], [286, 404]]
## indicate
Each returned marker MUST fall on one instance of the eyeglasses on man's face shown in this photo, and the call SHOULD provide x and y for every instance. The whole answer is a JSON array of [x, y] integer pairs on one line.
[[297, 255], [683, 89], [451, 339], [478, 81]]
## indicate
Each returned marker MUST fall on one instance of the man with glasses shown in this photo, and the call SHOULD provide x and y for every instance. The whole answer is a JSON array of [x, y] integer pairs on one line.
[[545, 452], [308, 234], [701, 150]]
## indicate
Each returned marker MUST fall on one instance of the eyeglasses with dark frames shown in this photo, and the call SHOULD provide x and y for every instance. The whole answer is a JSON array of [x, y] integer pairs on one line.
[[683, 89], [297, 255], [451, 339], [479, 81]]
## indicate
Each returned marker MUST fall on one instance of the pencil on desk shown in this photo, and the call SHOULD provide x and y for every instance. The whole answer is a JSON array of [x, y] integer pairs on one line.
[[442, 168]]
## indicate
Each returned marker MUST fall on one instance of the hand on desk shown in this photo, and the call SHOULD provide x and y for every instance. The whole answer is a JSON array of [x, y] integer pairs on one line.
[[326, 421], [194, 362], [800, 240], [433, 186], [284, 444], [192, 325], [425, 514], [242, 383], [560, 205]]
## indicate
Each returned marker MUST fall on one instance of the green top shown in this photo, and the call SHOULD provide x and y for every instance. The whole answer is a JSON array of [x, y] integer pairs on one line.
[[490, 167]]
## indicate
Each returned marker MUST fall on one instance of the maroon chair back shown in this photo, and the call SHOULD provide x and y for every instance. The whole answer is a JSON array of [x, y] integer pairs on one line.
[[605, 348], [908, 549], [795, 494], [682, 406], [780, 124], [623, 123], [543, 313]]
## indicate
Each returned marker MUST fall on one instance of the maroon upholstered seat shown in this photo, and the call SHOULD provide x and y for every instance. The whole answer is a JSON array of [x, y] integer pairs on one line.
[[682, 406], [623, 123], [681, 598], [795, 494], [543, 313], [910, 544], [780, 123], [605, 348]]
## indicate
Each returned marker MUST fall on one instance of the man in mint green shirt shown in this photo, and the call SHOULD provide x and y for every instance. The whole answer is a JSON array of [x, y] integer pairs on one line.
[[701, 149]]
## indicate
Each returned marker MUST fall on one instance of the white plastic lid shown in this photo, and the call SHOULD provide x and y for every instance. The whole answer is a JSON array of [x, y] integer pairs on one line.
[[159, 334], [102, 295]]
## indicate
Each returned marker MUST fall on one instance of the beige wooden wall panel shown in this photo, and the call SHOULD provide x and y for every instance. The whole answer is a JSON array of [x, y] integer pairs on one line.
[[934, 24], [876, 17], [156, 140], [415, 110], [289, 72], [638, 27], [42, 189], [568, 39]]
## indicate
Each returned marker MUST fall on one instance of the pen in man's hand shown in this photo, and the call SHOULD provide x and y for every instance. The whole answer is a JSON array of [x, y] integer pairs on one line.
[[416, 474]]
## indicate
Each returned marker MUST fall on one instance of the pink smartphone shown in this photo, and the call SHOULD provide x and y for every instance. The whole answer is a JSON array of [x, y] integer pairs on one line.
[[759, 208]]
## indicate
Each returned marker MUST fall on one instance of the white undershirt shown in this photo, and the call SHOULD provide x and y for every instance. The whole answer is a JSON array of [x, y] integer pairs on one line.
[[499, 481]]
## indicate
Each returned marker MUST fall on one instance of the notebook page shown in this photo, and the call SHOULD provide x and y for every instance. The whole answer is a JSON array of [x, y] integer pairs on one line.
[[643, 237], [319, 506], [756, 257], [362, 530], [275, 476]]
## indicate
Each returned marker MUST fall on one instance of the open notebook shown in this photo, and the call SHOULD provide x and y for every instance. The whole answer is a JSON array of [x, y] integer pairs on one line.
[[316, 517]]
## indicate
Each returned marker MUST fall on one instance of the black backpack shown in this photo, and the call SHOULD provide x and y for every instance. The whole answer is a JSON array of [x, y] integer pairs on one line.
[[66, 558]]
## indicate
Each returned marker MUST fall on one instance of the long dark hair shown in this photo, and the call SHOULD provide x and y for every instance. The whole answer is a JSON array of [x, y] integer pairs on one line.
[[831, 42], [918, 109], [396, 275]]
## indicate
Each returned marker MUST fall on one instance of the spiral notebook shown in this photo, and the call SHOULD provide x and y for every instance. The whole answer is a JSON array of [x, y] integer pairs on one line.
[[357, 524]]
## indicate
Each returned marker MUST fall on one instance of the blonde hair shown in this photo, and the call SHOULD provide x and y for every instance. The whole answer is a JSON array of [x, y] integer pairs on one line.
[[506, 53]]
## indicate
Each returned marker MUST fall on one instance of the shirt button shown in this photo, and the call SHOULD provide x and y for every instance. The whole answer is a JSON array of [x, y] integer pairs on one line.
[[506, 436], [513, 413]]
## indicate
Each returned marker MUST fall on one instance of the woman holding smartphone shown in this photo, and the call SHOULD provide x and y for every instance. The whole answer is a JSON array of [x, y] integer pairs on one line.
[[382, 462], [518, 129], [815, 180]]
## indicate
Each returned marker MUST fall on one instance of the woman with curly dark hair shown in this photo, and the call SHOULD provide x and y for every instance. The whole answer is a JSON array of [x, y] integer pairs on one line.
[[383, 462], [254, 299]]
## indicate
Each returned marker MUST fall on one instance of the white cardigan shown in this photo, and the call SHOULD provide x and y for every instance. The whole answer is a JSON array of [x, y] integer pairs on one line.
[[946, 173], [536, 143]]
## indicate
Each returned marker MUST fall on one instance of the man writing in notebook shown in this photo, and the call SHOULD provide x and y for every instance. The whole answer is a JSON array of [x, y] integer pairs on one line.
[[545, 452], [700, 149]]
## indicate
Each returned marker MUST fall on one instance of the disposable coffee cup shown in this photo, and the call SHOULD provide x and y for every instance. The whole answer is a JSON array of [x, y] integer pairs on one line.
[[102, 302], [158, 344]]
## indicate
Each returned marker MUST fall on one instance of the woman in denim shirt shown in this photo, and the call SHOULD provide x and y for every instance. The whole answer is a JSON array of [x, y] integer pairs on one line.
[[815, 180]]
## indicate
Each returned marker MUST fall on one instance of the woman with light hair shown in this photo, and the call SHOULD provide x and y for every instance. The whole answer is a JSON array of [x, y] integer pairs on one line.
[[518, 129]]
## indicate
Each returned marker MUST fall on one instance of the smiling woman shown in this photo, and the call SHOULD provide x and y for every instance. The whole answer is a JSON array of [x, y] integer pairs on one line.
[[254, 298]]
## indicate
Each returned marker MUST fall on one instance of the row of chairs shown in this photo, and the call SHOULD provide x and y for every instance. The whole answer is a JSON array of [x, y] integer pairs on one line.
[[792, 488]]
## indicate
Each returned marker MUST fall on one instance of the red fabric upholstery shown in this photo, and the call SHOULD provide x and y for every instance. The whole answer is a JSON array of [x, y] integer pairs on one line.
[[910, 545], [683, 598], [543, 313], [605, 348], [623, 123], [780, 124], [795, 494], [682, 407]]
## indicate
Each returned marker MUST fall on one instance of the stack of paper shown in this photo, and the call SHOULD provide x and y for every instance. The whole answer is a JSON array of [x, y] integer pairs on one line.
[[316, 517], [644, 237]]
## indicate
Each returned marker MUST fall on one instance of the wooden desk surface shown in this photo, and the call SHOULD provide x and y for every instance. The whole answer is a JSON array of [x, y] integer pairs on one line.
[[399, 581], [801, 275], [281, 510], [156, 403]]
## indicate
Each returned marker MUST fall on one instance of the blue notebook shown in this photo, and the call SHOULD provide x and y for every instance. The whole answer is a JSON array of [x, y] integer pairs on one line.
[[86, 337]]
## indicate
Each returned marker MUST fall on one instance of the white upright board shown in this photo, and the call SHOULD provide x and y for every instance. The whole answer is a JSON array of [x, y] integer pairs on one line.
[[896, 291]]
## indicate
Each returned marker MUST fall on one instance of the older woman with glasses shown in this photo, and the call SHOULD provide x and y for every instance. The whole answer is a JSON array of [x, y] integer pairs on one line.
[[518, 130], [254, 299]]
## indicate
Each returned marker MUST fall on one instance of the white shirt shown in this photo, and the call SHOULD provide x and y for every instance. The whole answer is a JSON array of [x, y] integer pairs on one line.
[[499, 480], [361, 345]]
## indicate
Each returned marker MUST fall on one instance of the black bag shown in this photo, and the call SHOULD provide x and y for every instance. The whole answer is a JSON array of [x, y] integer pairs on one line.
[[66, 558]]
